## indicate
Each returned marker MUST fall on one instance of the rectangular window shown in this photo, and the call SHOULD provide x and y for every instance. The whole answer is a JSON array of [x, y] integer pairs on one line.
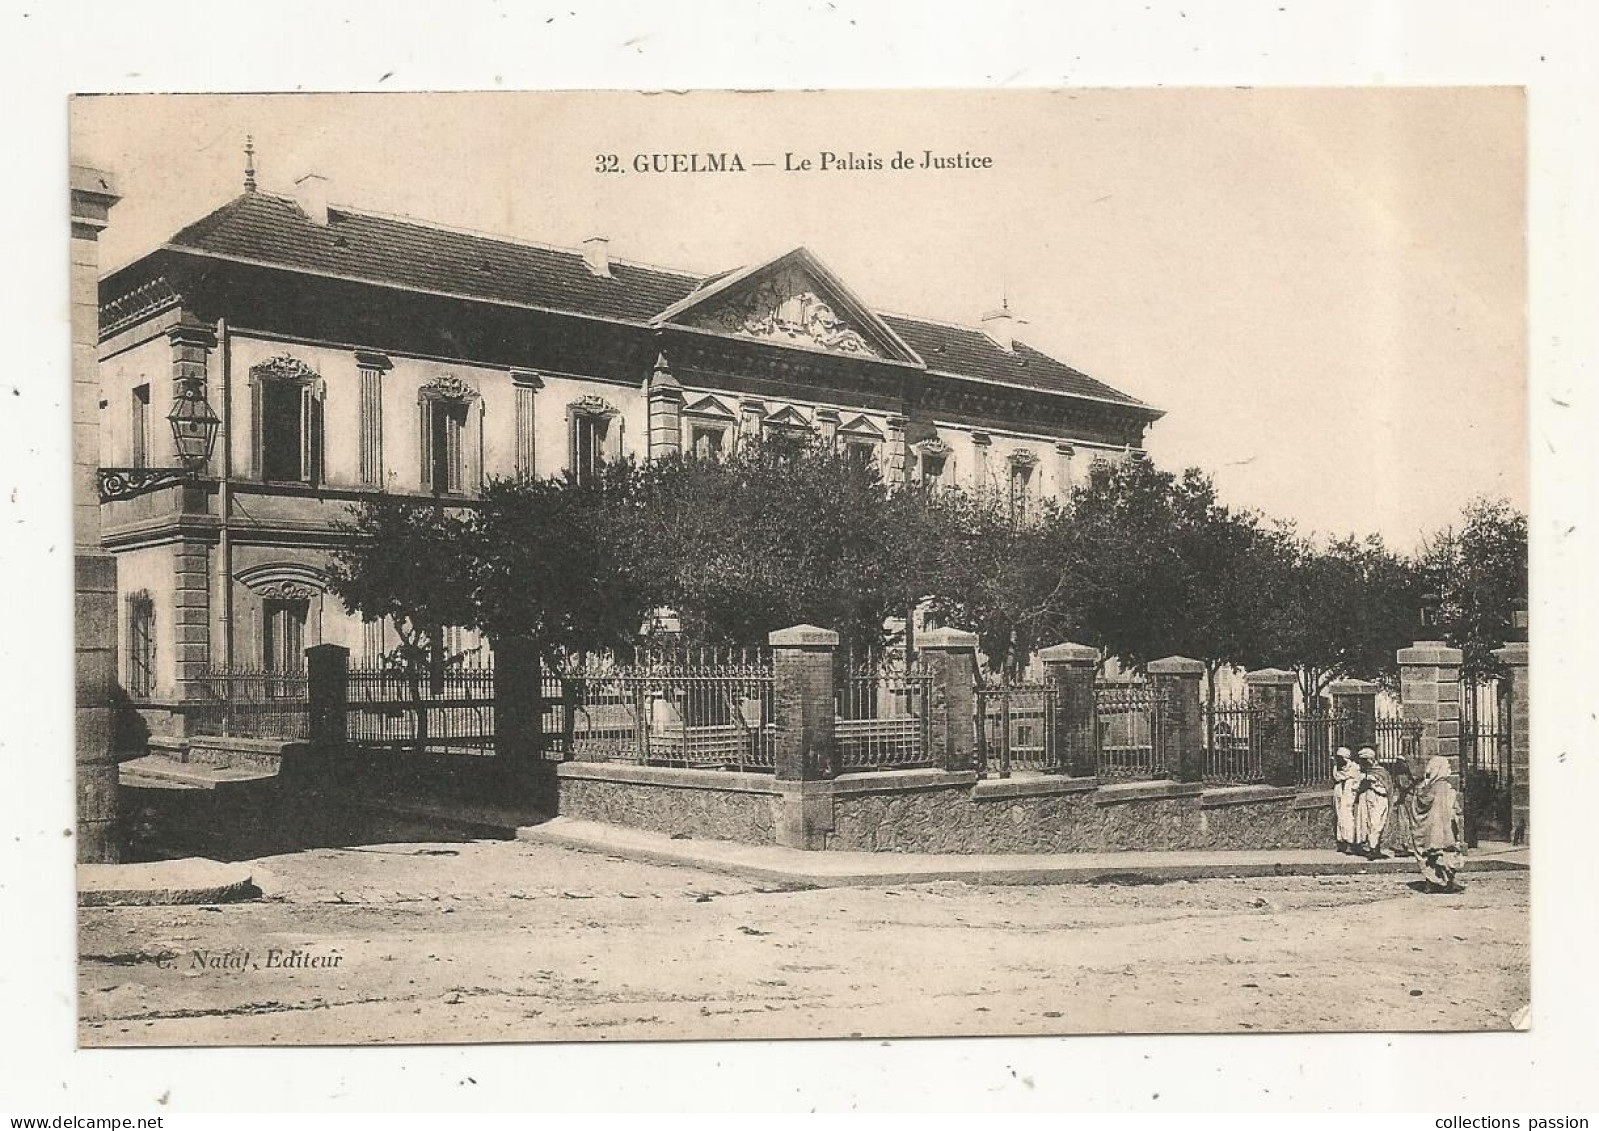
[[372, 641], [1021, 479], [282, 431], [283, 635], [932, 470], [141, 646], [447, 428], [860, 453], [588, 445], [140, 426], [708, 441]]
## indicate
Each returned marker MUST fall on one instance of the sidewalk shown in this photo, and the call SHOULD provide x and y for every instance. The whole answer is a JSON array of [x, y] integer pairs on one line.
[[796, 868]]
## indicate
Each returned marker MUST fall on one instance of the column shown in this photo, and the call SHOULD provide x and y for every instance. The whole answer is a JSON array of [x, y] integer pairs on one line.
[[951, 657], [827, 426], [1063, 469], [94, 571], [1271, 697], [1515, 705], [1356, 701], [1429, 693], [526, 386], [1071, 732], [665, 397], [371, 367], [982, 477], [750, 414], [191, 613], [1178, 739], [192, 343]]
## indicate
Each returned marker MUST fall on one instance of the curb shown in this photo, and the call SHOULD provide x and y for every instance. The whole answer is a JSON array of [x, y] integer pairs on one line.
[[165, 883], [985, 872]]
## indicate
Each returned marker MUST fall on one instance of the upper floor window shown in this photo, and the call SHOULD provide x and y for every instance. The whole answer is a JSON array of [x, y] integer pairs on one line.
[[595, 435], [449, 455], [286, 395], [708, 441], [139, 426], [1021, 488]]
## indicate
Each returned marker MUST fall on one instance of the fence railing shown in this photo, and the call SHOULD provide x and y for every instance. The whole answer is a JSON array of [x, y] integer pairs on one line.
[[1013, 727], [1397, 738], [1234, 752], [250, 703], [1130, 728], [448, 711], [666, 711], [1318, 732], [881, 719]]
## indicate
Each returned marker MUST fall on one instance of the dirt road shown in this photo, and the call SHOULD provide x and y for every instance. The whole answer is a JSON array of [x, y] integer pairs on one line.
[[504, 941]]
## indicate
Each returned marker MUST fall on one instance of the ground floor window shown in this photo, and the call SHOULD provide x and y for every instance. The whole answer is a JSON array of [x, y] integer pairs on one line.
[[283, 634], [708, 441], [141, 646]]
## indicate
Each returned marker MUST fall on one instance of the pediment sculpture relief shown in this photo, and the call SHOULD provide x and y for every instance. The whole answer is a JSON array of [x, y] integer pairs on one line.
[[785, 307]]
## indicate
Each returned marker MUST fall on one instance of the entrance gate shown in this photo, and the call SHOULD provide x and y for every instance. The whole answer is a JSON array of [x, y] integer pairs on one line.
[[1485, 766]]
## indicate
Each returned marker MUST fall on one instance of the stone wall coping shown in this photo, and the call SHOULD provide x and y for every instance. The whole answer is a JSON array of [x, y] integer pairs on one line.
[[1068, 653], [899, 781], [997, 788], [279, 746], [1270, 677], [1513, 655], [1352, 687], [1245, 795], [1317, 799], [720, 780], [1146, 791], [1175, 665], [947, 638], [803, 636], [1432, 653]]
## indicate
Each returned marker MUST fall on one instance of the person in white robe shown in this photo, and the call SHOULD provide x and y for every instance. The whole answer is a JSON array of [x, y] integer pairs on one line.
[[1346, 782], [1371, 803]]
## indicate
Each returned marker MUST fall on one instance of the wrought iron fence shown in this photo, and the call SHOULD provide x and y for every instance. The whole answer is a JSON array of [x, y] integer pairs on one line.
[[1131, 724], [1319, 730], [250, 703], [400, 707], [1014, 723], [1485, 759], [707, 710], [881, 715], [1397, 739], [1234, 751]]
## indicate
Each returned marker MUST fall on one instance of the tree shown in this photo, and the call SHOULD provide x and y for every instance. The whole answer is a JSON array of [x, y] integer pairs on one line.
[[1479, 572]]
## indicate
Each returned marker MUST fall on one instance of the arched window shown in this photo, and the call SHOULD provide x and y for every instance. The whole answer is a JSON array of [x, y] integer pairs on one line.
[[286, 406]]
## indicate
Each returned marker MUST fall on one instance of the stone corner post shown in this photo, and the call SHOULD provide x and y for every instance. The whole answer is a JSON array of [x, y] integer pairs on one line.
[[518, 699], [1429, 694], [1071, 731], [1515, 692], [99, 828], [327, 678], [804, 710], [1178, 738], [951, 657], [1271, 699], [665, 404], [1356, 701]]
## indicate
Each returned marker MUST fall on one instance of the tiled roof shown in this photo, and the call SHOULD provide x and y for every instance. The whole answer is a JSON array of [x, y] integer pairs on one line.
[[270, 229]]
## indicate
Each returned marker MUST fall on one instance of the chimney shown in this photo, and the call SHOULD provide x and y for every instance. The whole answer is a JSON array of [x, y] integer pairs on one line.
[[999, 325], [311, 194], [597, 256]]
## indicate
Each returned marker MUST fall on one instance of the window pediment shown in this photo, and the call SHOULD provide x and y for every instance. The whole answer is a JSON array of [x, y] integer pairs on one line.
[[446, 387], [710, 406]]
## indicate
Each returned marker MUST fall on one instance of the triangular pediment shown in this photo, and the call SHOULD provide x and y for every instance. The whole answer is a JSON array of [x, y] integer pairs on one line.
[[860, 427], [792, 300], [709, 406], [787, 417]]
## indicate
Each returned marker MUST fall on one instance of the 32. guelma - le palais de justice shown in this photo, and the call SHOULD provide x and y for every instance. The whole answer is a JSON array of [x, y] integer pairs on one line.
[[347, 353]]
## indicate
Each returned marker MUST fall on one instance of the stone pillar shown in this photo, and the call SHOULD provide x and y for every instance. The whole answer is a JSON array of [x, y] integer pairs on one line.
[[527, 386], [1429, 693], [894, 466], [192, 343], [827, 427], [1063, 469], [1515, 705], [1179, 739], [1271, 694], [327, 681], [982, 475], [951, 656], [518, 701], [99, 831], [665, 411], [1071, 714], [191, 615], [802, 659], [371, 367], [1356, 700]]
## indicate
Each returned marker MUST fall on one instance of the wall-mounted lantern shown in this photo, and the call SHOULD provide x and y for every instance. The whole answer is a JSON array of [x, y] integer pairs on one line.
[[194, 432]]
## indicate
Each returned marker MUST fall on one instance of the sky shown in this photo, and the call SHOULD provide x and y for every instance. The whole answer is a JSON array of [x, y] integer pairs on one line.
[[1324, 289]]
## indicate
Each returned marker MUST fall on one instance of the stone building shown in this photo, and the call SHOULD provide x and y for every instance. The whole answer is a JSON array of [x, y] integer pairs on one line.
[[349, 353]]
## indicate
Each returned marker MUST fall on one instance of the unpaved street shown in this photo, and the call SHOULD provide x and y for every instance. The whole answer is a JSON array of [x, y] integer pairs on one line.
[[494, 941]]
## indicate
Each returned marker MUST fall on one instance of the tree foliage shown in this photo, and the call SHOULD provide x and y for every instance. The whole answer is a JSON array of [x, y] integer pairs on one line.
[[1479, 573]]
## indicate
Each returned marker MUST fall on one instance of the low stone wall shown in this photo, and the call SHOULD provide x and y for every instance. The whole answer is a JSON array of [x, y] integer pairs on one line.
[[706, 804], [946, 812]]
